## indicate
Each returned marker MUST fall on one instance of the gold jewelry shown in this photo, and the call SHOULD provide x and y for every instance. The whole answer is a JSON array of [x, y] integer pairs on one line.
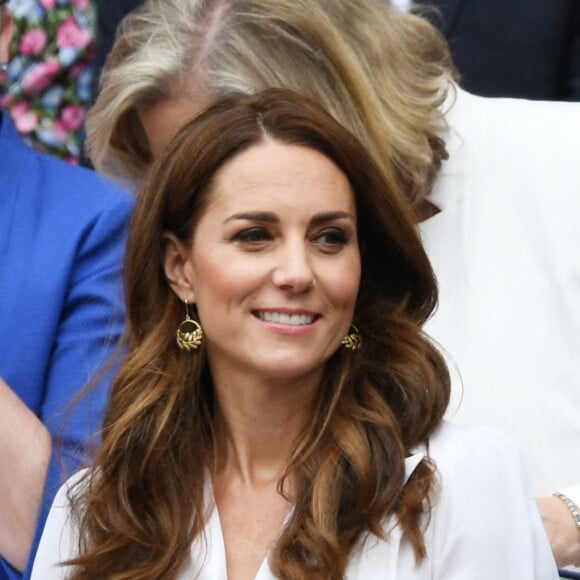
[[353, 340], [189, 334]]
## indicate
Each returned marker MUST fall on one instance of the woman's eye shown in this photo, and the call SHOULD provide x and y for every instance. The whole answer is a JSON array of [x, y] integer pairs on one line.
[[332, 239], [253, 236]]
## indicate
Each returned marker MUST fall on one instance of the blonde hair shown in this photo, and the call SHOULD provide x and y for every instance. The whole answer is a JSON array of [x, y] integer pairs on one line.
[[382, 74]]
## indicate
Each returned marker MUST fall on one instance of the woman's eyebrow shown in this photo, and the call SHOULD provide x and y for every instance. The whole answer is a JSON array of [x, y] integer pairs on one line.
[[330, 216], [256, 216], [269, 217]]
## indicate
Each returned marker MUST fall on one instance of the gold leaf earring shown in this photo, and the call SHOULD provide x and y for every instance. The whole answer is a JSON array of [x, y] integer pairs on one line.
[[189, 334], [353, 340]]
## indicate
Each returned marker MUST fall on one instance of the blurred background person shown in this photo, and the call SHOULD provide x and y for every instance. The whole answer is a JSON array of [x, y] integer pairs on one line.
[[495, 184], [62, 235]]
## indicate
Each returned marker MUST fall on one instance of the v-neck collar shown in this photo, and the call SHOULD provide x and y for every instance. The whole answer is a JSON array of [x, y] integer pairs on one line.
[[208, 553]]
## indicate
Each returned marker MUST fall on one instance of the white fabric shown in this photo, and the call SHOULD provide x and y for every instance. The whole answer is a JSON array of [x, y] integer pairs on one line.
[[506, 251], [484, 524], [402, 5], [573, 493]]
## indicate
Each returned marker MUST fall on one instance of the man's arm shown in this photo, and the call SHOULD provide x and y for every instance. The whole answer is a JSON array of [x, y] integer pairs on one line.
[[25, 449]]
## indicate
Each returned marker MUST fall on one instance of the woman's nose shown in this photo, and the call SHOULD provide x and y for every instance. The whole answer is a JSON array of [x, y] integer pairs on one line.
[[293, 271]]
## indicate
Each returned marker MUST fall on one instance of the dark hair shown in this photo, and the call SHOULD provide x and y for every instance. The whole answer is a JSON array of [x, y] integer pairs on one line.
[[143, 502]]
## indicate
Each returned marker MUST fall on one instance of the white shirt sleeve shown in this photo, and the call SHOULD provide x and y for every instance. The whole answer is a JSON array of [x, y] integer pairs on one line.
[[59, 541], [485, 524]]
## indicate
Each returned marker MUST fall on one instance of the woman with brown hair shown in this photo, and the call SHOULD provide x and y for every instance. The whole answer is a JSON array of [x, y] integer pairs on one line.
[[293, 427], [495, 184]]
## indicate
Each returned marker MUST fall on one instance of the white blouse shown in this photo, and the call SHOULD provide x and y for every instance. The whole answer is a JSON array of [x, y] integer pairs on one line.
[[505, 252], [483, 525]]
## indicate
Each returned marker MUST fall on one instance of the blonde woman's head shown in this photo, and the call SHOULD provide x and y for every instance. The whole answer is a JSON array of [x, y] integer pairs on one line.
[[382, 74]]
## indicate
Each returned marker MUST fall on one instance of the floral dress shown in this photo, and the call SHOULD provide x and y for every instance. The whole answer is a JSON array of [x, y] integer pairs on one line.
[[47, 88]]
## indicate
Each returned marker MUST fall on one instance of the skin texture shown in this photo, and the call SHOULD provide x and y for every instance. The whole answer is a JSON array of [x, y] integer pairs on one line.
[[163, 119], [561, 530], [25, 449], [278, 236]]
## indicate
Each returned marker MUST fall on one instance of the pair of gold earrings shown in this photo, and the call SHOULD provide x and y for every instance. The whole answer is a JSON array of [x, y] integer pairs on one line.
[[189, 335]]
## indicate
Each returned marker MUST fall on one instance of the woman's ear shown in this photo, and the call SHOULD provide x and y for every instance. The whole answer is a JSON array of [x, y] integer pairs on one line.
[[178, 267]]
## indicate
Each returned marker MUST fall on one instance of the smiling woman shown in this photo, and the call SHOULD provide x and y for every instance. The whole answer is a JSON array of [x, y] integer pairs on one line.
[[304, 438], [273, 265]]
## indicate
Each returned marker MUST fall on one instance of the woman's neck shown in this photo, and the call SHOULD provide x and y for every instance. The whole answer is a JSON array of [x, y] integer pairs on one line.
[[257, 424]]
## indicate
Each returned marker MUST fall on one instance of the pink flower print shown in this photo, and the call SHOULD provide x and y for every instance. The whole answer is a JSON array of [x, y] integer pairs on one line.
[[71, 159], [72, 117], [25, 120], [78, 69], [71, 35], [40, 76], [82, 5], [20, 108], [52, 134], [33, 42], [58, 129], [48, 4]]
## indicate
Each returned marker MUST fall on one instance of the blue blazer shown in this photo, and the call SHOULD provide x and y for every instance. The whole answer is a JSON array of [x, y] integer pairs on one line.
[[514, 48], [62, 238]]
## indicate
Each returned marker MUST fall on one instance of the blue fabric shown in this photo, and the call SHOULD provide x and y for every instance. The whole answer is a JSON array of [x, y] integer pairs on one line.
[[62, 239]]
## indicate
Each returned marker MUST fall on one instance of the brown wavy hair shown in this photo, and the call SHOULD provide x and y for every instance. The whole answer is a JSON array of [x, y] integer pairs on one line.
[[142, 504]]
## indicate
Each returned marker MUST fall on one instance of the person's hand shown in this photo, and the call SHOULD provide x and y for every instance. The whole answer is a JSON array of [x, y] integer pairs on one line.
[[561, 530]]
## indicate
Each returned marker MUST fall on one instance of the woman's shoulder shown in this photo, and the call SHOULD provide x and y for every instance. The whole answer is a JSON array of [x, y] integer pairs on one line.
[[484, 522], [450, 443], [450, 439], [471, 461], [473, 452]]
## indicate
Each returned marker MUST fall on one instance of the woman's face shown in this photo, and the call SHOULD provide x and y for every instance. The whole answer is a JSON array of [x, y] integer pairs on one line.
[[274, 266]]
